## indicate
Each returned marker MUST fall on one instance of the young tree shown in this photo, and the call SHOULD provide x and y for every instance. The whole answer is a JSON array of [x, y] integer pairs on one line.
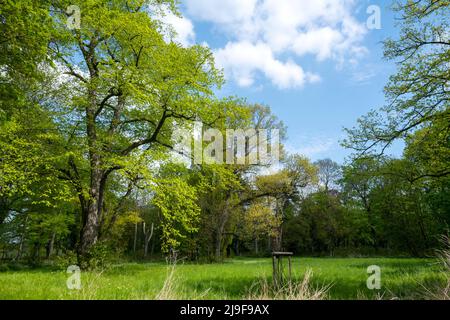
[[286, 188], [260, 221]]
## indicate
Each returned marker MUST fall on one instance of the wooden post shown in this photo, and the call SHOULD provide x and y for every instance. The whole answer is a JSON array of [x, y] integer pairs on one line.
[[274, 271], [280, 267], [290, 270], [135, 238], [277, 264]]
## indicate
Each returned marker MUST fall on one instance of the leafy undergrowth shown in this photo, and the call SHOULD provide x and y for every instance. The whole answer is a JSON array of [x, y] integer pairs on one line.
[[234, 279]]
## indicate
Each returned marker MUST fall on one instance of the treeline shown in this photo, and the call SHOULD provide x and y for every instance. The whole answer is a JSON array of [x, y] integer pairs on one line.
[[87, 162], [369, 207], [364, 208]]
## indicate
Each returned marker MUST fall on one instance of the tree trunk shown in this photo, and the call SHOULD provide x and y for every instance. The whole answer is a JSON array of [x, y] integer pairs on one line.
[[19, 251], [218, 244], [135, 238], [89, 232], [148, 237], [146, 249], [22, 238], [256, 246], [50, 245], [278, 243], [36, 252], [4, 209], [152, 250], [236, 248], [223, 219]]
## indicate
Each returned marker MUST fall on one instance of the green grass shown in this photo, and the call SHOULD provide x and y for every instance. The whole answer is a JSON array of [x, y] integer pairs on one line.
[[401, 278]]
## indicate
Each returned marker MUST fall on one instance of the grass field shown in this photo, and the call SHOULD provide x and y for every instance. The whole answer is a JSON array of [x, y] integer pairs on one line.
[[234, 279]]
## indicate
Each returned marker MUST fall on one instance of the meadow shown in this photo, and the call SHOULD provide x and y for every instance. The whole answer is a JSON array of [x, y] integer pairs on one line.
[[235, 279]]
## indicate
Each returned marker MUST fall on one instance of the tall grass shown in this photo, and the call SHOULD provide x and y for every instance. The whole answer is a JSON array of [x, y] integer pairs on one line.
[[169, 290], [302, 290], [443, 293], [172, 288], [444, 254], [90, 288], [232, 280]]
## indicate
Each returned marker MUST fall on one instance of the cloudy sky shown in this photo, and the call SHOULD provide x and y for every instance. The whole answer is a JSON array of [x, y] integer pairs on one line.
[[316, 63]]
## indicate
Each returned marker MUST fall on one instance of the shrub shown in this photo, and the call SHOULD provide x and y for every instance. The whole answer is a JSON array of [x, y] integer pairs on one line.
[[67, 259]]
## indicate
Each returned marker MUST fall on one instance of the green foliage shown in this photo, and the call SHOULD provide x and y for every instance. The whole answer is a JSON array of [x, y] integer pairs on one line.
[[87, 118], [176, 200], [68, 258], [260, 221], [402, 211], [42, 226], [29, 153], [99, 257], [24, 32], [418, 93]]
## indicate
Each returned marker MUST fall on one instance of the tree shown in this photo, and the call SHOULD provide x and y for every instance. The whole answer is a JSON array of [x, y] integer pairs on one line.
[[394, 191], [27, 142], [30, 152], [25, 29], [418, 95], [180, 213], [360, 177], [260, 221], [148, 234], [429, 150], [226, 188], [286, 188], [130, 86], [329, 173], [219, 188]]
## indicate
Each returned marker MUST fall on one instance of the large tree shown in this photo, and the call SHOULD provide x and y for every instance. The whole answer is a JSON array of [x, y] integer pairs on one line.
[[119, 89], [418, 94]]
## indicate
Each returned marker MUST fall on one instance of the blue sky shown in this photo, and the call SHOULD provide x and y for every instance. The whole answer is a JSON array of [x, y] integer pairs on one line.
[[315, 63]]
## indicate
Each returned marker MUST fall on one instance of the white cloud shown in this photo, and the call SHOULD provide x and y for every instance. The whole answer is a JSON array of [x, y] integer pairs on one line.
[[221, 11], [268, 36], [181, 29], [363, 77], [312, 147], [242, 60], [319, 42]]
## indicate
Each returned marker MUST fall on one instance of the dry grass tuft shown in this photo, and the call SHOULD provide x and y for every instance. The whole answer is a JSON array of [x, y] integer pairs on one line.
[[443, 293], [90, 287], [444, 254], [170, 287], [302, 290]]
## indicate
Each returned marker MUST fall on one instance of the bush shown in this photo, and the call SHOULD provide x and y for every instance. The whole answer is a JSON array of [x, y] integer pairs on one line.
[[100, 256], [13, 266], [4, 267], [67, 259]]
